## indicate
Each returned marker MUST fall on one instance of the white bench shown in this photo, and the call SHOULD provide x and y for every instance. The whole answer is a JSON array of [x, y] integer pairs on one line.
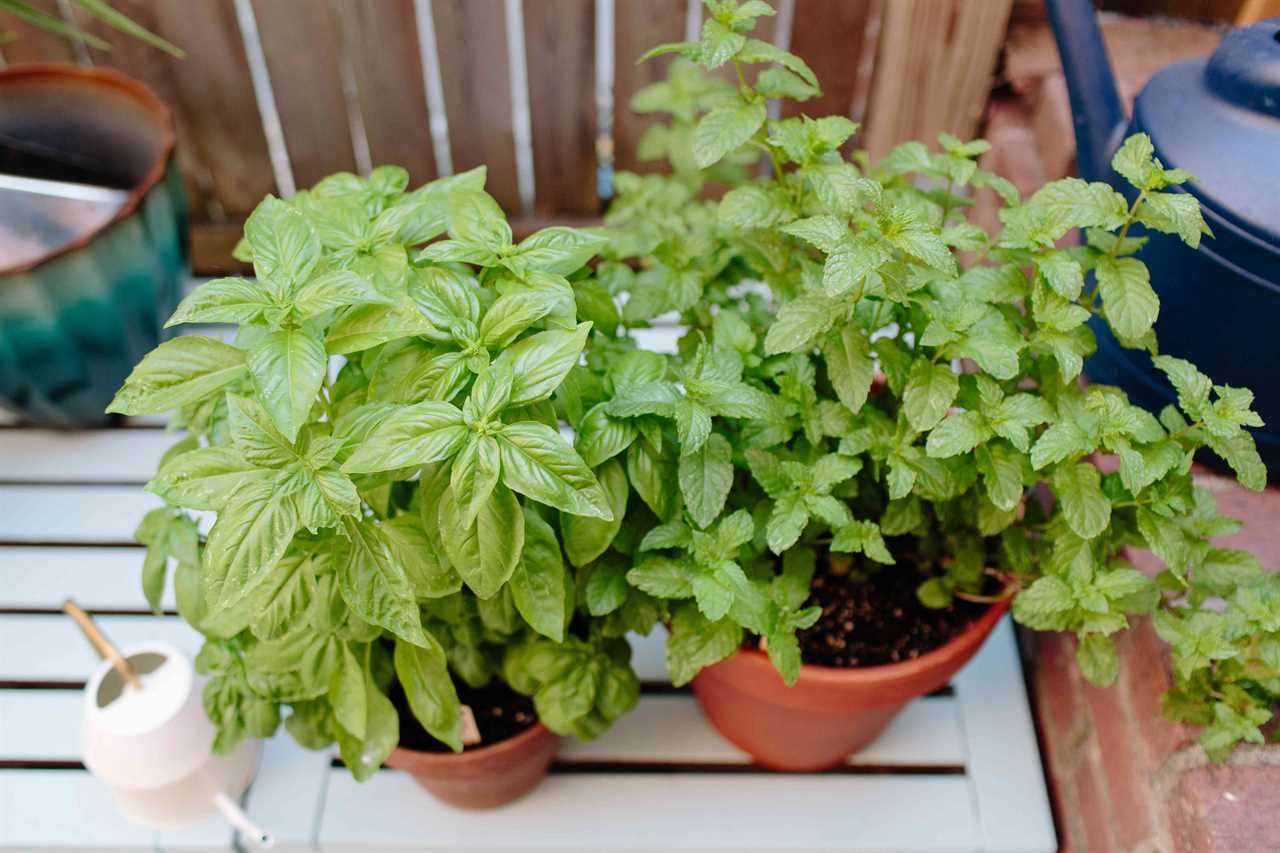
[[957, 771]]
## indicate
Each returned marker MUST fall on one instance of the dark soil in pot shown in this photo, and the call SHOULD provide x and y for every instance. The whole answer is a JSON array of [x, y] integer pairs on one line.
[[500, 713], [877, 621], [874, 649], [511, 759]]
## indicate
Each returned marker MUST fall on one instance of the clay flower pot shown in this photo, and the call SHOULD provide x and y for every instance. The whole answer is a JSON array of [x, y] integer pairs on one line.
[[486, 777], [831, 712]]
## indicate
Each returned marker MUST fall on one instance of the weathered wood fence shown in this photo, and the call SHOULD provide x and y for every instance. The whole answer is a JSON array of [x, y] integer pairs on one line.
[[274, 94]]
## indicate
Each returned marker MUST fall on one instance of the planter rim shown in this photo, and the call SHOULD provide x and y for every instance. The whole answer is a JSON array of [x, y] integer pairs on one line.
[[107, 78], [817, 675], [473, 756]]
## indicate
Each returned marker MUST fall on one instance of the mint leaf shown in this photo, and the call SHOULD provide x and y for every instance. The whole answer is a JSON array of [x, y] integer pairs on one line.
[[705, 479], [1130, 305], [725, 129], [1087, 509], [930, 391]]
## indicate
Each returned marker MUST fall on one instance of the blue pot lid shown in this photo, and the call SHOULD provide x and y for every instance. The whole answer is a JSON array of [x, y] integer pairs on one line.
[[1220, 120]]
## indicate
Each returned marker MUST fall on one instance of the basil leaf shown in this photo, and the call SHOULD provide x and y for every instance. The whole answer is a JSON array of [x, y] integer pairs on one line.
[[424, 675], [224, 300], [540, 362], [486, 552], [288, 368], [176, 373], [601, 436], [410, 435], [203, 478], [538, 583], [475, 474], [250, 536], [285, 246], [255, 436], [333, 290], [539, 463], [587, 538], [374, 584]]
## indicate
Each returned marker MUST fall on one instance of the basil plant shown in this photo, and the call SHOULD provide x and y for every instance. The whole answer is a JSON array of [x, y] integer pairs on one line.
[[870, 379], [379, 447]]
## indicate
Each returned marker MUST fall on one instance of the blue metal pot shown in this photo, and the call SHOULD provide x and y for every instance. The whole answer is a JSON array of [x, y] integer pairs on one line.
[[75, 320], [1220, 120]]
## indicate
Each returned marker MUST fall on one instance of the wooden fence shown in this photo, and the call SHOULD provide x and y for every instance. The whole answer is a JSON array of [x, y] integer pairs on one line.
[[274, 94]]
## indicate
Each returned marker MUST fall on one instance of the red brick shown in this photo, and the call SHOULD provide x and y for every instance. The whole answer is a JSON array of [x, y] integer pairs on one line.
[[1095, 833], [1057, 685], [1227, 809], [1123, 765], [1145, 675]]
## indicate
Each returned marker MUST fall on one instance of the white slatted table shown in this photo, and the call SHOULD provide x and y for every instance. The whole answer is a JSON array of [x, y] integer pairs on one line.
[[957, 771]]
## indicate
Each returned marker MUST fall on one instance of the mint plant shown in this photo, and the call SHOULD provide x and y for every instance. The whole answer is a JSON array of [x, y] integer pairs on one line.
[[392, 497], [870, 379]]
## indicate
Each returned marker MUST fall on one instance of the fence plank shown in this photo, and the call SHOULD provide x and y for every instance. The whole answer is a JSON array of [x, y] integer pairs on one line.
[[471, 39], [933, 69], [221, 146], [831, 37], [638, 26], [560, 53], [303, 50], [32, 44], [382, 45]]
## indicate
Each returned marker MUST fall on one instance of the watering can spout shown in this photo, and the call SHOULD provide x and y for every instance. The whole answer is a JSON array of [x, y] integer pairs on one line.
[[1096, 111]]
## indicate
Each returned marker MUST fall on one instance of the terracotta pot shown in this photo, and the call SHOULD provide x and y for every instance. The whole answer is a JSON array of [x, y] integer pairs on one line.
[[831, 712], [486, 777]]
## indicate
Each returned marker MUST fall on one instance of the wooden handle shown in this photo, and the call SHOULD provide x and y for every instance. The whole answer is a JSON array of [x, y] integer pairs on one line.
[[100, 642]]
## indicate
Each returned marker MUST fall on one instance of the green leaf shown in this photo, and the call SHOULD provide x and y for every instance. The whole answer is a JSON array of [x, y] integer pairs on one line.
[[1062, 273], [178, 372], [1128, 301], [697, 642], [753, 206], [538, 583], [850, 367], [851, 261], [475, 218], [288, 368], [956, 434], [786, 522], [930, 391], [539, 463], [332, 290], [663, 577], [1135, 161], [250, 536], [347, 695], [798, 323], [725, 129], [255, 436], [1096, 656], [203, 478], [587, 538], [364, 326], [364, 756], [862, 537], [487, 552], [374, 583], [285, 246], [652, 474], [601, 436], [475, 473], [424, 674], [825, 232], [1087, 509], [224, 300], [540, 362], [1173, 213], [606, 587], [410, 435], [557, 250], [706, 476]]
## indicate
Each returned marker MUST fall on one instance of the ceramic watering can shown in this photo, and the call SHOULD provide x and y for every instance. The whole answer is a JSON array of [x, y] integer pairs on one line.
[[1218, 118], [151, 744]]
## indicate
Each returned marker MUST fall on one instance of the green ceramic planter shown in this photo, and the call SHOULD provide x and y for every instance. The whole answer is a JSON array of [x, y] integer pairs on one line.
[[75, 320]]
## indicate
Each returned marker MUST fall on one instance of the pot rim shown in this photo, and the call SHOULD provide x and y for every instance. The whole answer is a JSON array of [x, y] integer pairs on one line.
[[111, 79], [473, 756], [817, 675]]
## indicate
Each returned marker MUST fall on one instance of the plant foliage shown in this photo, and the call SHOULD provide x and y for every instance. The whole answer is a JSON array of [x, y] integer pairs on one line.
[[846, 384]]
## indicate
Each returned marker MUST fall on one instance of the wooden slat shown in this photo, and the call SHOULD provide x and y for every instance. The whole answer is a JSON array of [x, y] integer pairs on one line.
[[287, 794], [98, 578], [471, 39], [43, 724], [668, 812], [382, 45], [72, 514], [933, 69], [70, 810], [49, 648], [830, 37], [32, 44], [303, 49], [57, 456], [560, 56], [221, 146], [1004, 760], [638, 26]]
